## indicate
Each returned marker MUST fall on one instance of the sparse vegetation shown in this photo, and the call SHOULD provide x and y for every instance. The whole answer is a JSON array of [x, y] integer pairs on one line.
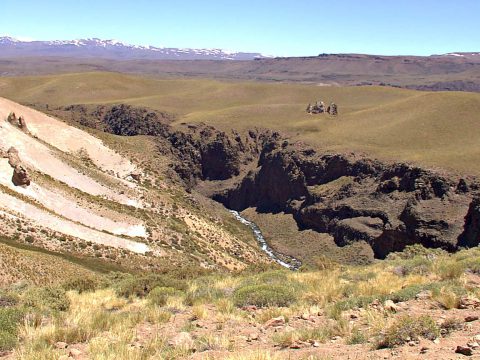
[[407, 328], [209, 308], [264, 295]]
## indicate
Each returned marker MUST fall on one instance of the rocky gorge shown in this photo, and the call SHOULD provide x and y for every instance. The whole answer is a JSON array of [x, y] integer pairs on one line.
[[351, 197]]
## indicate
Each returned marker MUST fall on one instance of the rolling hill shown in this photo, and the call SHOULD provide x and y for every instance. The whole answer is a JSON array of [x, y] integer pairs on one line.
[[436, 129]]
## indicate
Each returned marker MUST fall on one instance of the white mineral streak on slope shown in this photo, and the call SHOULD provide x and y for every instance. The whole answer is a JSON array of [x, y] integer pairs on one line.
[[68, 208], [45, 219], [68, 138], [38, 156]]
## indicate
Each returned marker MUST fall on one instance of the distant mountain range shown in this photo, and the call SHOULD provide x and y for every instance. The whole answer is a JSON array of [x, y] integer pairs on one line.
[[113, 49]]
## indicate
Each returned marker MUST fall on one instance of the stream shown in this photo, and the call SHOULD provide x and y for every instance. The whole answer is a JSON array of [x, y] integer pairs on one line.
[[290, 262]]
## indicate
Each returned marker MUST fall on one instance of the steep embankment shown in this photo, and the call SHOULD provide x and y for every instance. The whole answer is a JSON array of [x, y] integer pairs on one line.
[[65, 190]]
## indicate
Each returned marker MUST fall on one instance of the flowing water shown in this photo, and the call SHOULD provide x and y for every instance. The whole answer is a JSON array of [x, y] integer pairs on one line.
[[284, 260]]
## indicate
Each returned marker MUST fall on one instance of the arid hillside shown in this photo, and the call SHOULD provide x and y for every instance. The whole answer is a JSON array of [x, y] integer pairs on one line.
[[65, 190]]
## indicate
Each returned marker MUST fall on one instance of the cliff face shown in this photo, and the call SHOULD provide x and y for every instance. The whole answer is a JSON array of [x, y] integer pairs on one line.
[[387, 205]]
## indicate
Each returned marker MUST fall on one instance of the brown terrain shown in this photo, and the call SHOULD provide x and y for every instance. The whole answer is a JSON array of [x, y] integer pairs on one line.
[[450, 72], [109, 186]]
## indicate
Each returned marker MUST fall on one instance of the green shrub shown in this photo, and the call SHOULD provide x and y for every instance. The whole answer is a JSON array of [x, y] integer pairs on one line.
[[408, 328], [160, 295], [141, 286], [356, 302], [412, 251], [203, 295], [264, 295], [7, 340], [418, 265], [8, 299], [407, 293], [450, 269], [47, 298], [10, 318], [81, 284]]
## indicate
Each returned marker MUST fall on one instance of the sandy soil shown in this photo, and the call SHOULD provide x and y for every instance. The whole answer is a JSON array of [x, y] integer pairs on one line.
[[67, 138], [38, 156], [46, 219], [68, 208]]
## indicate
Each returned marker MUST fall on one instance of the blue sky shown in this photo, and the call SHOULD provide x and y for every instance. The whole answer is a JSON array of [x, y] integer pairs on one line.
[[280, 27]]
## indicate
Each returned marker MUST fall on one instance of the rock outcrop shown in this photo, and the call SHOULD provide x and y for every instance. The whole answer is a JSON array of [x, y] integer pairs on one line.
[[205, 153], [13, 157], [318, 108], [18, 122], [20, 175], [356, 199], [332, 109]]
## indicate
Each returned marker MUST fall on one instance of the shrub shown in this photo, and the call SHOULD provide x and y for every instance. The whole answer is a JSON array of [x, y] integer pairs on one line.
[[357, 336], [203, 294], [446, 298], [47, 298], [9, 320], [452, 324], [159, 295], [418, 265], [7, 340], [8, 299], [408, 328], [407, 293], [412, 251], [354, 302], [81, 284], [141, 286], [264, 295], [323, 262], [450, 269], [320, 333]]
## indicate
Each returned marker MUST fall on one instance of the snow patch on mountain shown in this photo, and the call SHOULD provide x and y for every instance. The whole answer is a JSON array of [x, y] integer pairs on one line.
[[111, 48]]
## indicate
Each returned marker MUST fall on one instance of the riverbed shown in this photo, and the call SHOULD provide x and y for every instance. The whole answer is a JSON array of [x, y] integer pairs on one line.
[[283, 260]]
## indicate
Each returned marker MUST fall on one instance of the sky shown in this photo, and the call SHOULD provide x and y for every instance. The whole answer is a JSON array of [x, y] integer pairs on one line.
[[280, 27]]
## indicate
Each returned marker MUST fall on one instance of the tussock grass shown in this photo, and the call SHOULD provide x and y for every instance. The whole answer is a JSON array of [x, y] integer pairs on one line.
[[94, 315], [408, 328]]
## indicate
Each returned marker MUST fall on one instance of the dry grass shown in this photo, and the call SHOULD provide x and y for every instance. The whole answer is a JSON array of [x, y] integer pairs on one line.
[[433, 129], [109, 325]]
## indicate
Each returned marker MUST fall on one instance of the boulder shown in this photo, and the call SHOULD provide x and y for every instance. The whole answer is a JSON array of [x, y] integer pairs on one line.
[[20, 176], [22, 125], [469, 302], [464, 350], [275, 322], [12, 118], [332, 109], [13, 157], [389, 305], [136, 176]]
